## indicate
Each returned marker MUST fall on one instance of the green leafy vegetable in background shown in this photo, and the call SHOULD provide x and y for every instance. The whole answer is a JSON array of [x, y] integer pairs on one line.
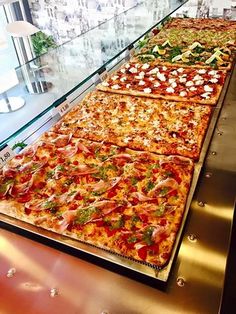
[[42, 43]]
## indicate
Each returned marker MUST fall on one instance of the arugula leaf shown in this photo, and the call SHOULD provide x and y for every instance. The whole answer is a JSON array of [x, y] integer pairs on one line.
[[147, 235], [85, 214], [150, 185], [160, 210], [132, 239]]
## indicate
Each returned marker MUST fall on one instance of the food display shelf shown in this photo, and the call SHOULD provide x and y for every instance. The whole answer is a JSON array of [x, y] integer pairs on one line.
[[144, 268], [192, 282]]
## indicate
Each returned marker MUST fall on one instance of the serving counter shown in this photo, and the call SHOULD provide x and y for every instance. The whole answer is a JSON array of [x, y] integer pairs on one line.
[[41, 273]]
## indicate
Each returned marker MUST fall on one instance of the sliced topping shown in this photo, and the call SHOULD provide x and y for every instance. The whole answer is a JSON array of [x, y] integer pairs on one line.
[[164, 68], [61, 140], [206, 95], [195, 45], [82, 147], [133, 70], [147, 90], [127, 65], [104, 186], [207, 88], [141, 83], [189, 83], [182, 79], [68, 151], [151, 78], [157, 233], [116, 86], [154, 71], [192, 88], [161, 77], [180, 70], [200, 82], [201, 71], [159, 50], [128, 85], [115, 77], [82, 170], [122, 70], [124, 78], [176, 58], [167, 43], [197, 77], [156, 84], [170, 90], [105, 84], [214, 80], [172, 80], [6, 187], [174, 84], [145, 66], [174, 72], [163, 188], [183, 94], [141, 197], [212, 72]]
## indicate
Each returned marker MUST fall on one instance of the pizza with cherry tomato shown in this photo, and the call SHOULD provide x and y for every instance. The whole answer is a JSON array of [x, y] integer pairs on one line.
[[170, 83], [124, 201], [163, 127]]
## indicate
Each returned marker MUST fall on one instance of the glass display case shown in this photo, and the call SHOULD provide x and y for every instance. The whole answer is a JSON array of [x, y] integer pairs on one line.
[[193, 281]]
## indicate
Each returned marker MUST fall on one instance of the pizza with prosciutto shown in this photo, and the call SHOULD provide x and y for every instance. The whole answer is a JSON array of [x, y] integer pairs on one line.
[[163, 127], [115, 198], [170, 83]]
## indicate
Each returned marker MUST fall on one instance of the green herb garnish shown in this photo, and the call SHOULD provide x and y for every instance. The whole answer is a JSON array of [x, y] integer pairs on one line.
[[147, 235]]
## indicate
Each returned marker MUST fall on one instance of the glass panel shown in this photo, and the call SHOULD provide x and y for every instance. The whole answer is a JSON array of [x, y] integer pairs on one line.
[[8, 59], [70, 65]]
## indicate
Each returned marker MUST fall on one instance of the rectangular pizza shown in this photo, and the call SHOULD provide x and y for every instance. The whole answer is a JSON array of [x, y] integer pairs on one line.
[[186, 37], [160, 126], [170, 83], [215, 25], [194, 56], [129, 203]]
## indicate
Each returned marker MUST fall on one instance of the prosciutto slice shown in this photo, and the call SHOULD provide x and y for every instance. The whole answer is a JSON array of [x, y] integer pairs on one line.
[[6, 187], [105, 185], [61, 140], [68, 151], [105, 206], [141, 197], [31, 166], [169, 183], [21, 188]]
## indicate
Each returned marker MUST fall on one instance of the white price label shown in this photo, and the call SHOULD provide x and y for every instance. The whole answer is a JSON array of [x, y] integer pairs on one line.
[[130, 51], [6, 154], [62, 109], [100, 76]]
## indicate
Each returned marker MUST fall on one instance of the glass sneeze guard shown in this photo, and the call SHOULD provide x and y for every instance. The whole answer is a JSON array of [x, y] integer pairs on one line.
[[71, 65]]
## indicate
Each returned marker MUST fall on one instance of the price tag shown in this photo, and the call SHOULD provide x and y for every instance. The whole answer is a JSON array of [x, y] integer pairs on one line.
[[130, 51], [100, 76], [6, 154], [62, 109]]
